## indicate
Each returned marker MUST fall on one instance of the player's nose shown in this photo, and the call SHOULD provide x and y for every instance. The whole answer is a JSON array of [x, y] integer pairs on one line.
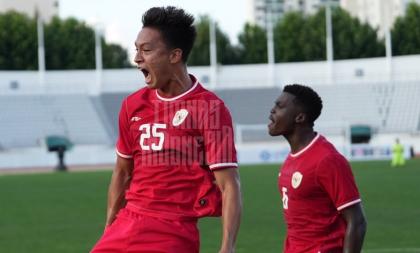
[[138, 58]]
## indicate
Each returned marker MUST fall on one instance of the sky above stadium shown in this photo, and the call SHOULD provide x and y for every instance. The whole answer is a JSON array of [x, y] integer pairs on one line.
[[121, 20]]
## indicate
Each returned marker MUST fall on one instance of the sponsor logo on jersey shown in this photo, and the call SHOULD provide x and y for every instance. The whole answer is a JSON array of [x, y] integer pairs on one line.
[[296, 179], [135, 118], [179, 117]]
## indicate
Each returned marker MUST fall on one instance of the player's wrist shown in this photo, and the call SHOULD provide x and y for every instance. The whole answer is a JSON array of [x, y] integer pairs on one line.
[[231, 250], [227, 248]]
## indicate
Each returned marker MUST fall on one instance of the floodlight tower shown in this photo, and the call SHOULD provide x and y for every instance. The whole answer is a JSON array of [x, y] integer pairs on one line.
[[388, 39], [98, 59], [41, 49], [213, 54], [329, 42], [269, 7]]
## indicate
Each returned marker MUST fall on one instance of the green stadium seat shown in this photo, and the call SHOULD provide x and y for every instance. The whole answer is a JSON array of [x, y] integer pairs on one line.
[[59, 144], [360, 133]]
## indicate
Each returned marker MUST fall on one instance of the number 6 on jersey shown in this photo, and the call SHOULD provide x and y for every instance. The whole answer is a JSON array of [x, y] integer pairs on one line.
[[285, 198]]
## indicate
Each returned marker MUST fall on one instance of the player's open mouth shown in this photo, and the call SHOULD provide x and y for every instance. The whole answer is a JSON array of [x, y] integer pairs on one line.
[[271, 122], [146, 74]]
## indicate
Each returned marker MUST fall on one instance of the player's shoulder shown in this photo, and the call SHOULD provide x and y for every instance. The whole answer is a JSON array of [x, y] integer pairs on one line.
[[203, 92], [141, 93], [135, 100], [210, 97], [328, 154], [326, 150], [136, 97]]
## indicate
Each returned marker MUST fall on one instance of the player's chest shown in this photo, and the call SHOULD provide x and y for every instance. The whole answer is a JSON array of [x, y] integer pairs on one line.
[[298, 180], [153, 128]]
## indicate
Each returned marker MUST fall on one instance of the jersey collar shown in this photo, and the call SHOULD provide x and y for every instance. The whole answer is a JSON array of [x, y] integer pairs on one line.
[[181, 95], [305, 148]]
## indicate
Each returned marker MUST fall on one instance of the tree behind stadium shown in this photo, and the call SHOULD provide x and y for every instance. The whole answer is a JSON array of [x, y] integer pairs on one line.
[[200, 54], [18, 42], [302, 38], [69, 44], [406, 32], [252, 44]]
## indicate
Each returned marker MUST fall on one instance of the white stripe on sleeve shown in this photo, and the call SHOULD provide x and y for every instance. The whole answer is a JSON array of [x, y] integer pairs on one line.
[[348, 204]]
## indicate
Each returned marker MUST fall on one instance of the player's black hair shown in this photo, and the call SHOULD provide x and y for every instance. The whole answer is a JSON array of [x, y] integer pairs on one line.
[[175, 25], [307, 98]]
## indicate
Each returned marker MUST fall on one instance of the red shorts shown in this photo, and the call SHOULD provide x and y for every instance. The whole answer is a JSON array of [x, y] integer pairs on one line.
[[134, 232]]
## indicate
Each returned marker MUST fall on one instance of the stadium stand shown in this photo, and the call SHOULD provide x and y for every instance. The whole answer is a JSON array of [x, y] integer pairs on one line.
[[250, 109], [249, 106], [345, 105], [389, 108], [385, 107], [28, 119], [94, 119], [404, 109], [85, 108], [111, 104]]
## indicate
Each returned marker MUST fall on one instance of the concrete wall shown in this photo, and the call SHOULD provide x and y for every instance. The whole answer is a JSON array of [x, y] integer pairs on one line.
[[372, 70]]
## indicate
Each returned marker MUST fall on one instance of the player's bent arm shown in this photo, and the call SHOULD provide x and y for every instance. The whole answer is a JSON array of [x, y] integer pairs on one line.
[[120, 181], [229, 184], [356, 228]]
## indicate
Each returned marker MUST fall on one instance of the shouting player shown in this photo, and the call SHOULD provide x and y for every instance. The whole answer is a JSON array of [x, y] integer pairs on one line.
[[176, 159], [321, 202]]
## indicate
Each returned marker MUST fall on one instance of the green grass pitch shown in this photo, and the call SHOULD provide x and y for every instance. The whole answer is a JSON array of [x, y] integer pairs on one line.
[[65, 212]]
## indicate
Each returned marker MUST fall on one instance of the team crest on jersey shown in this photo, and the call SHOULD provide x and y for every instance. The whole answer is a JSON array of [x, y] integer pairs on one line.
[[179, 117], [296, 179]]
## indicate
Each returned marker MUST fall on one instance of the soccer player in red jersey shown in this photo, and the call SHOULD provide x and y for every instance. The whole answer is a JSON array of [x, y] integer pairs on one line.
[[321, 202], [176, 159]]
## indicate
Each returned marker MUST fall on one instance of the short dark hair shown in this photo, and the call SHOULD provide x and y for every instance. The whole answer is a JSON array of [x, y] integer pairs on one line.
[[175, 25], [307, 98]]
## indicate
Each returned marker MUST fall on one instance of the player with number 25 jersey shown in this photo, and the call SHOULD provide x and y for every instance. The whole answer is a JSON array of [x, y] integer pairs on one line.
[[176, 143]]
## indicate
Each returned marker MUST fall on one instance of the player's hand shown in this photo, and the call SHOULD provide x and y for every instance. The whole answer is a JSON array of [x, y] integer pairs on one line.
[[110, 219], [227, 251]]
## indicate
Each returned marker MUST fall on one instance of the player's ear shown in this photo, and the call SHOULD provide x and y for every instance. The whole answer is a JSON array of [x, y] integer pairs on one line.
[[176, 55], [300, 118]]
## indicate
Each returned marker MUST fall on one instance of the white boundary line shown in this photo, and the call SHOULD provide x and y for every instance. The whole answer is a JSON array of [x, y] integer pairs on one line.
[[404, 250]]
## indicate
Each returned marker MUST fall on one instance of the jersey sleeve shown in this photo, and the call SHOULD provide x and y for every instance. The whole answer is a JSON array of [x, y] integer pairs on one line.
[[123, 146], [218, 137], [335, 176]]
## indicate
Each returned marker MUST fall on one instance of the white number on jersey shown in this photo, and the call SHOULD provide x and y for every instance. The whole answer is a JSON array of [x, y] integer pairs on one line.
[[145, 129], [285, 198]]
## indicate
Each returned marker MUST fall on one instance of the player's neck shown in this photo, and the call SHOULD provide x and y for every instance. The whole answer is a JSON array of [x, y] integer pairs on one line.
[[300, 139], [178, 84]]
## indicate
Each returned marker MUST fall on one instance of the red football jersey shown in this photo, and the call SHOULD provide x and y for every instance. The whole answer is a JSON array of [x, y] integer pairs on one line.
[[315, 184], [176, 143]]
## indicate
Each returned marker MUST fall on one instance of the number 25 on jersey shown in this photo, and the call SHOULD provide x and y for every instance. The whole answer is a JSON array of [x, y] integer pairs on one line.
[[154, 131]]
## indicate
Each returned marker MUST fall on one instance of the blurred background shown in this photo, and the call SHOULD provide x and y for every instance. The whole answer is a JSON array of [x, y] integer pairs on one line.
[[65, 67]]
